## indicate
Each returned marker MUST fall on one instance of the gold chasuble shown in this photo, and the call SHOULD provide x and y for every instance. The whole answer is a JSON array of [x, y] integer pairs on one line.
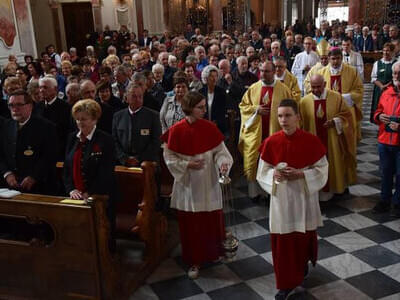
[[250, 137], [341, 149], [291, 82], [350, 83]]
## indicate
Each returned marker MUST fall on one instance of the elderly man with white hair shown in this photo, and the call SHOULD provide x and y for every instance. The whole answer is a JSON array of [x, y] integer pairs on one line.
[[168, 71], [364, 42], [200, 53], [72, 91], [256, 41], [242, 76], [158, 73], [250, 51], [55, 110]]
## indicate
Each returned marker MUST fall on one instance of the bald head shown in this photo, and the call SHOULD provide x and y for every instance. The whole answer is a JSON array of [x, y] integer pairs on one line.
[[317, 84]]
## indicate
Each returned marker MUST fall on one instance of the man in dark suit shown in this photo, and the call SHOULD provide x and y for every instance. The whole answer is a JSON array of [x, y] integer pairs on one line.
[[145, 40], [168, 71], [27, 149], [364, 42], [55, 110], [136, 130]]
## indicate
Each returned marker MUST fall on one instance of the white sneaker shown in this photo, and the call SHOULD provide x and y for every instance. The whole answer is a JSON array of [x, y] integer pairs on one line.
[[193, 272]]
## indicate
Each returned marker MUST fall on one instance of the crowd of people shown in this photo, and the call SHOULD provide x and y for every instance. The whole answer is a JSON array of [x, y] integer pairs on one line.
[[123, 98]]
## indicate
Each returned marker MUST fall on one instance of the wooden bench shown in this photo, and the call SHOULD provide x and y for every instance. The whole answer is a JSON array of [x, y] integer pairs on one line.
[[369, 58], [56, 251]]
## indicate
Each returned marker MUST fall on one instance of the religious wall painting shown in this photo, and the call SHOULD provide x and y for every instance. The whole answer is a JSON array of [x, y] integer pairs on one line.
[[23, 25], [7, 25]]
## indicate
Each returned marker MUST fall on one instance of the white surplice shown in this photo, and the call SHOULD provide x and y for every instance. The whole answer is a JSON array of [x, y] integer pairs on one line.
[[197, 190], [300, 61], [294, 204]]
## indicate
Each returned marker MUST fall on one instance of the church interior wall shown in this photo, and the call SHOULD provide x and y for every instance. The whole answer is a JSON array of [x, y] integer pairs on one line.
[[21, 41], [43, 25]]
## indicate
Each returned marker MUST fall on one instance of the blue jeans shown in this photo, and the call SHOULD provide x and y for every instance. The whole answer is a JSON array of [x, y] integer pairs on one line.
[[389, 162]]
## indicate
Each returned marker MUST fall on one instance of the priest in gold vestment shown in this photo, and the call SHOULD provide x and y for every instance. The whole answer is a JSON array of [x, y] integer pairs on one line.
[[283, 75], [259, 120], [345, 80], [325, 114]]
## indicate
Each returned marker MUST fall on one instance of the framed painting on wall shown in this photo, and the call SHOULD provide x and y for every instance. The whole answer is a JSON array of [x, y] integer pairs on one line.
[[7, 24]]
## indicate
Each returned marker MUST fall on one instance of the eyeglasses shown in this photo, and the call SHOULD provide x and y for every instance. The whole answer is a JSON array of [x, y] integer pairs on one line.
[[15, 105]]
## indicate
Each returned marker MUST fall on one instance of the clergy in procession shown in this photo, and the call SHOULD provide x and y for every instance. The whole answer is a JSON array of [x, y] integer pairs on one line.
[[258, 110], [292, 169], [282, 74], [345, 80], [352, 58], [325, 114], [322, 50], [195, 153], [303, 63]]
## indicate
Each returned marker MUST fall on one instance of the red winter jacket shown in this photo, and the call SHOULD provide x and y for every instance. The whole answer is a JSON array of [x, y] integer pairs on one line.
[[389, 104]]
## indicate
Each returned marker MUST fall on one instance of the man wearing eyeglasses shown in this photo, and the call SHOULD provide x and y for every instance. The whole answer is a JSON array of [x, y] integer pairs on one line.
[[28, 149]]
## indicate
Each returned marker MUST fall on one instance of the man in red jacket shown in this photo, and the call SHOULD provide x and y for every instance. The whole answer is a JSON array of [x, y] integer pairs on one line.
[[387, 116]]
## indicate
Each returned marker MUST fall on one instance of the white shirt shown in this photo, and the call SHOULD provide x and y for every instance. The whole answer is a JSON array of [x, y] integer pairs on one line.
[[52, 101], [197, 190], [294, 204], [210, 99], [355, 59], [300, 61], [89, 136]]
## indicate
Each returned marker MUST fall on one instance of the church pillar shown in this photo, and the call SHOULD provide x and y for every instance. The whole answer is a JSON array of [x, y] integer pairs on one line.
[[288, 12], [166, 14], [96, 7], [153, 16], [308, 9], [260, 11], [54, 5], [216, 15], [356, 11], [300, 9], [272, 11], [139, 17]]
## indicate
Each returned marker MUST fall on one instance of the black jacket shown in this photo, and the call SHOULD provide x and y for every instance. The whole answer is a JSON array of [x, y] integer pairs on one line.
[[30, 151], [218, 108]]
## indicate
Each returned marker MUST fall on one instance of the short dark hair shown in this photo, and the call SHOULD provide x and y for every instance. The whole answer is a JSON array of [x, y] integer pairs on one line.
[[103, 85], [190, 100], [335, 52], [389, 45], [76, 70], [253, 58], [84, 61], [347, 39], [21, 92], [105, 70], [290, 103], [180, 77]]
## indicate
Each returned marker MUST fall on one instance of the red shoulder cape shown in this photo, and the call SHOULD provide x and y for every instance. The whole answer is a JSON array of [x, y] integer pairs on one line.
[[192, 139], [298, 150]]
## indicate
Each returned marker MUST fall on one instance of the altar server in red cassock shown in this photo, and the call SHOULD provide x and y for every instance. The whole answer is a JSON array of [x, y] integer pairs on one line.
[[294, 208], [195, 153]]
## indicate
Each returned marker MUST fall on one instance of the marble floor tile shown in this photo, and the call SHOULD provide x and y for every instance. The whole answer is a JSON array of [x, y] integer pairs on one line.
[[268, 257], [366, 167], [395, 225], [244, 251], [251, 267], [264, 286], [379, 233], [365, 178], [368, 157], [337, 290], [391, 297], [198, 297], [345, 265], [331, 228], [216, 277], [358, 204], [369, 141], [248, 230], [393, 245], [392, 271], [354, 221], [176, 288], [166, 270], [239, 291], [259, 244], [350, 241], [234, 218], [256, 212], [360, 190], [368, 148], [144, 293], [377, 256], [326, 249]]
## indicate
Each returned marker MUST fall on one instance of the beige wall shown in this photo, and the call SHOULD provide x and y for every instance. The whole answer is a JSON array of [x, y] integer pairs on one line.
[[42, 24]]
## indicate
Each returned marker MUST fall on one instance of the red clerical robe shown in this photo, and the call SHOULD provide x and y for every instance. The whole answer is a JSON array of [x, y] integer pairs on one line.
[[196, 193], [294, 208]]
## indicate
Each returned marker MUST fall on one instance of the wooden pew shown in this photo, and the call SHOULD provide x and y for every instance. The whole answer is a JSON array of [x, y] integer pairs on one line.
[[63, 252], [369, 58]]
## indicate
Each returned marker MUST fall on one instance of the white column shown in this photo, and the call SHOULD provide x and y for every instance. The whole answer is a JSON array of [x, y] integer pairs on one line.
[[153, 16]]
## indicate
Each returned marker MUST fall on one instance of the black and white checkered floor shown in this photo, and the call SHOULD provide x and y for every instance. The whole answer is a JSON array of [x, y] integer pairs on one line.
[[359, 252]]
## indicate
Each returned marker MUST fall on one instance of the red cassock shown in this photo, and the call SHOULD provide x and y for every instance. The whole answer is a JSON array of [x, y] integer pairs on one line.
[[292, 251], [201, 232]]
